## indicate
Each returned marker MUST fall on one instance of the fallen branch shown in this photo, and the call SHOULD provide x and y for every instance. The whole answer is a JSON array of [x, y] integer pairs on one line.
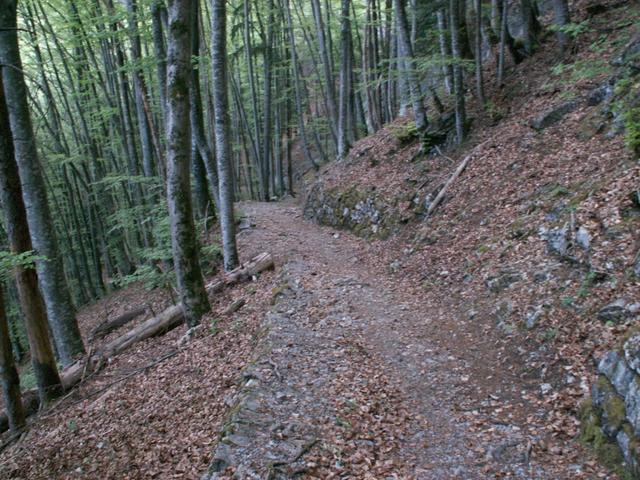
[[444, 189], [110, 325], [157, 325], [234, 307]]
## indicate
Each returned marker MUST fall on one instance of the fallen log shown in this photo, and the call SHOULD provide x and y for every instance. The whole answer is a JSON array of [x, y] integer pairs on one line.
[[110, 325], [174, 316], [234, 307], [442, 192], [160, 324]]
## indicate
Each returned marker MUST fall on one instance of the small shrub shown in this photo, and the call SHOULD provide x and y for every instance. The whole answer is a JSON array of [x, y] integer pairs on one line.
[[404, 133]]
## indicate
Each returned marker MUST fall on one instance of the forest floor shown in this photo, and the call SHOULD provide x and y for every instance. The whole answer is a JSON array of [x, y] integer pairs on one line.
[[368, 380], [386, 382]]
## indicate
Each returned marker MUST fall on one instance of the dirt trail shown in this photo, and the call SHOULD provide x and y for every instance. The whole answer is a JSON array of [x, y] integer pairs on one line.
[[458, 405]]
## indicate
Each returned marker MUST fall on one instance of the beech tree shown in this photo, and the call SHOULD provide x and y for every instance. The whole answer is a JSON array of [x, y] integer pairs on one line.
[[223, 143], [43, 361], [185, 245], [50, 268]]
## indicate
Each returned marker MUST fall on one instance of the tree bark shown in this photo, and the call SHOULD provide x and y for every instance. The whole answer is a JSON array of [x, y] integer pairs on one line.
[[412, 77], [54, 285], [458, 82], [345, 81], [478, 54], [223, 140], [9, 375], [445, 51], [183, 237], [561, 18]]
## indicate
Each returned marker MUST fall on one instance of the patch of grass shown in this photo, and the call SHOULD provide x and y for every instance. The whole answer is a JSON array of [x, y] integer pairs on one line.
[[404, 133], [548, 335], [213, 326]]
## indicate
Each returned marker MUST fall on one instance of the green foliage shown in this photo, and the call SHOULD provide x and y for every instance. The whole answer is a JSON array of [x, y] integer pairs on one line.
[[632, 130], [581, 70], [404, 133], [9, 261], [572, 29], [495, 113]]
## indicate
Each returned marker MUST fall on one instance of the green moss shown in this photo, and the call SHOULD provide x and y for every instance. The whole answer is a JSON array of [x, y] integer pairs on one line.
[[404, 133], [614, 411], [278, 292], [591, 434]]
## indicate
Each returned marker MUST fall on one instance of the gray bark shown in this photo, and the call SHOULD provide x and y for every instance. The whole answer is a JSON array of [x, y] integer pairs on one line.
[[183, 238], [412, 77], [458, 85], [345, 81], [50, 270], [445, 51], [223, 140], [9, 375], [561, 18], [330, 90]]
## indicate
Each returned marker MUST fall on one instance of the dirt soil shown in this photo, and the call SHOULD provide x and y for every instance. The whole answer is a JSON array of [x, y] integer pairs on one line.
[[386, 382]]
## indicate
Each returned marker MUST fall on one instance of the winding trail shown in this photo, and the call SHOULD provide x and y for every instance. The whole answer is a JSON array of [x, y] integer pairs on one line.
[[447, 403]]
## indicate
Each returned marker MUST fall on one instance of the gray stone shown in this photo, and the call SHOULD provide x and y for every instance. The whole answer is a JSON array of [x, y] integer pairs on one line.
[[625, 442], [583, 239], [503, 281], [554, 115], [632, 352], [533, 316], [558, 241], [614, 367], [610, 406], [632, 405], [615, 312], [636, 267], [601, 94]]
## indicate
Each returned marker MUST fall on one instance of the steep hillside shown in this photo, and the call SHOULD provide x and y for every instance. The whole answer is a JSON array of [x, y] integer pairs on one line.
[[537, 240]]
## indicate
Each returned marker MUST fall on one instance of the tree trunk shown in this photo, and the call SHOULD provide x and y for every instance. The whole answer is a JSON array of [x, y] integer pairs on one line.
[[35, 318], [561, 18], [458, 82], [267, 172], [530, 26], [345, 81], [223, 140], [445, 51], [9, 375], [50, 271], [183, 237], [197, 115], [478, 55], [330, 90], [412, 77]]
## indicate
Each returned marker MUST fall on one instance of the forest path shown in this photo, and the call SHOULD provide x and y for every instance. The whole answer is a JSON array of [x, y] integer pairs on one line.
[[459, 407]]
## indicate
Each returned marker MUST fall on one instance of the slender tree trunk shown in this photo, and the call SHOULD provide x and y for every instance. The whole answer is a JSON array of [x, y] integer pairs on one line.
[[223, 140], [445, 51], [35, 317], [330, 91], [458, 82], [267, 114], [504, 31], [412, 77], [298, 91], [197, 114], [478, 55], [51, 273], [185, 246], [561, 19], [345, 80], [157, 10], [9, 375]]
